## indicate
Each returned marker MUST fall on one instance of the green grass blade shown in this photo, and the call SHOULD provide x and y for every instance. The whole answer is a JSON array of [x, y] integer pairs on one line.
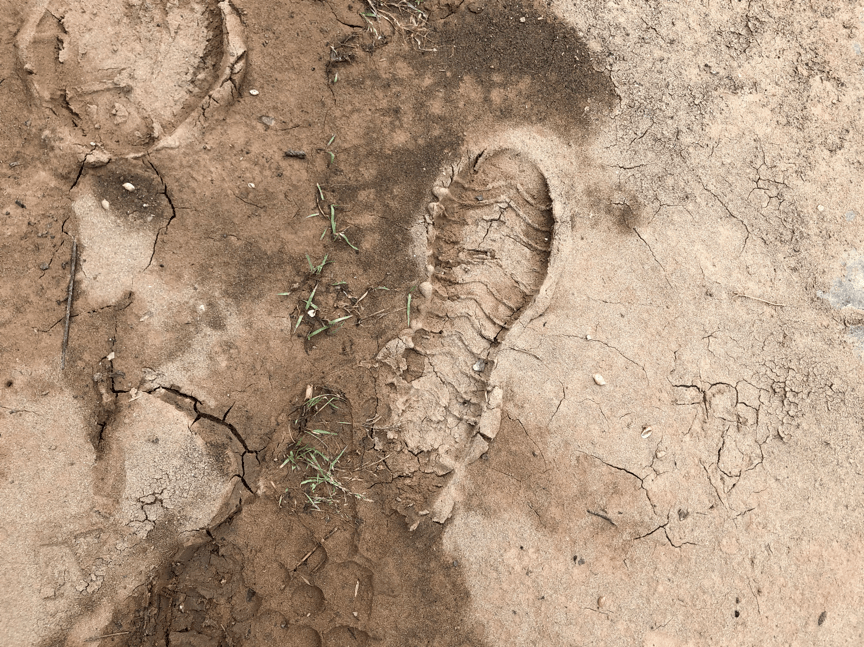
[[322, 431], [311, 296], [312, 334], [345, 238]]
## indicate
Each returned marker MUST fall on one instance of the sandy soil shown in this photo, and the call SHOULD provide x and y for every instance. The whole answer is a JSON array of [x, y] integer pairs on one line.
[[482, 323]]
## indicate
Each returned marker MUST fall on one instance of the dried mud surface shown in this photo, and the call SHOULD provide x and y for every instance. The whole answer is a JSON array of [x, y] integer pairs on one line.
[[564, 299]]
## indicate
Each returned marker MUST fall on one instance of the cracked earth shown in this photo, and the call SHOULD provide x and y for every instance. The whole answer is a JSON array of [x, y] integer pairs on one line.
[[478, 323]]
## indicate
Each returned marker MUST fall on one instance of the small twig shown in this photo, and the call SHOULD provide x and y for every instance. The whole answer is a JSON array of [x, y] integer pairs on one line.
[[96, 638], [307, 556], [366, 467], [601, 516], [251, 204], [376, 314], [69, 303], [747, 296]]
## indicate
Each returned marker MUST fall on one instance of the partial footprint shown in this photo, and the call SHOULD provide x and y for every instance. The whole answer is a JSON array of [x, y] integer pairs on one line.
[[128, 76], [489, 240]]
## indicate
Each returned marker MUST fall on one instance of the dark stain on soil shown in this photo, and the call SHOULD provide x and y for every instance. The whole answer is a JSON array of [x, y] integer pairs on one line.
[[393, 120]]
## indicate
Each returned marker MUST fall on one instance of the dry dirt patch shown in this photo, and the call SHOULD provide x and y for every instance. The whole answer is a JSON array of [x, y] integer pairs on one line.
[[694, 169]]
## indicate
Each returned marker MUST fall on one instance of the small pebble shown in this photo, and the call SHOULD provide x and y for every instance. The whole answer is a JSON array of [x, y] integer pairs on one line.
[[598, 379], [479, 365], [20, 204], [425, 289], [254, 93], [646, 432], [43, 266], [128, 186], [522, 19], [821, 208], [106, 205], [251, 185], [267, 121]]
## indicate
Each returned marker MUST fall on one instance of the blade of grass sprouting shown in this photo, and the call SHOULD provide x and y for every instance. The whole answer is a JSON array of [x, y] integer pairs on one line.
[[330, 403], [339, 283], [336, 460], [332, 156], [311, 267], [312, 215], [311, 296], [345, 238], [333, 219], [311, 402], [320, 192], [323, 233], [312, 334], [335, 321], [332, 138], [282, 294], [409, 309], [317, 400], [323, 431], [299, 319]]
